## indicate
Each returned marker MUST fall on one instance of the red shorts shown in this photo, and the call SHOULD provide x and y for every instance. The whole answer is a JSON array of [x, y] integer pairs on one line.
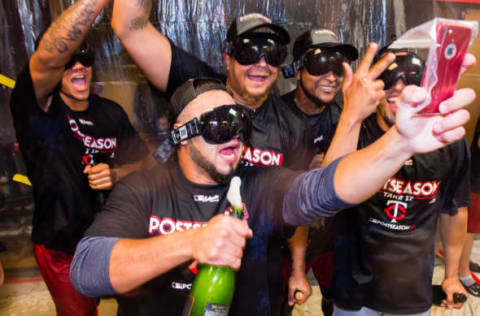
[[473, 225], [55, 268]]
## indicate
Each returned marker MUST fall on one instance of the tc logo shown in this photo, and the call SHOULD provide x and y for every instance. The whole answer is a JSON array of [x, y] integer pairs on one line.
[[396, 211]]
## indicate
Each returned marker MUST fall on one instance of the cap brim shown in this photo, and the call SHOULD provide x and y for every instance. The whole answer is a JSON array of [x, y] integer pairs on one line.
[[277, 29], [349, 51]]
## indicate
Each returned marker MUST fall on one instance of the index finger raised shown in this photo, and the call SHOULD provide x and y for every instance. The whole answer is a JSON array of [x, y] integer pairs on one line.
[[380, 66], [367, 59]]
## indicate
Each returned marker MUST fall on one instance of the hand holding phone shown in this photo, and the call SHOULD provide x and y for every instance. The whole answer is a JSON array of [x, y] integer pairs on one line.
[[444, 64]]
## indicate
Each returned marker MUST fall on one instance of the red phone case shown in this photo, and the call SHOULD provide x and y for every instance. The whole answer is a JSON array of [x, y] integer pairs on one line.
[[452, 44]]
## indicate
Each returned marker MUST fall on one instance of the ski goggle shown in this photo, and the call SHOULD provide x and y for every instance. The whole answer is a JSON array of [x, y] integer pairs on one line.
[[321, 61], [217, 126], [249, 51], [409, 68], [84, 55]]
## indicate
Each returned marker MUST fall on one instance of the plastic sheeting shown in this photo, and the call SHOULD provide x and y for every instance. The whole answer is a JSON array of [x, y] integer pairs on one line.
[[200, 27]]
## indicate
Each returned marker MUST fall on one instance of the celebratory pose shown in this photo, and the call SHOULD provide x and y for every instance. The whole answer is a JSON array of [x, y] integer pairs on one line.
[[156, 222], [254, 49], [383, 254], [75, 145]]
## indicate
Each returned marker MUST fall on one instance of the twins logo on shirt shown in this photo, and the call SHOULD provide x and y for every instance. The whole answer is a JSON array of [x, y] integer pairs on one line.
[[396, 210], [398, 193]]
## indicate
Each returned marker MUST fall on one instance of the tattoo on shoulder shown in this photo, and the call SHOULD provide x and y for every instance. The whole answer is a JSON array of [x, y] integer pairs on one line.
[[70, 26]]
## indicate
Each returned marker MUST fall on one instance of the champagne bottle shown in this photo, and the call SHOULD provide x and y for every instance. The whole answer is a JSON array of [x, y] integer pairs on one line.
[[213, 287]]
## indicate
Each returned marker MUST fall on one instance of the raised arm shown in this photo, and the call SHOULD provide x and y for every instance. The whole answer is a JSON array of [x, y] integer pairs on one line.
[[58, 45], [360, 174], [149, 49], [362, 93], [357, 176]]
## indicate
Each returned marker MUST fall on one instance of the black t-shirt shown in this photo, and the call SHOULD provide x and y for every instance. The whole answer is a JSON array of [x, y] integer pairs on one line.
[[162, 201], [475, 173], [322, 129], [280, 136], [323, 124], [384, 247], [56, 146]]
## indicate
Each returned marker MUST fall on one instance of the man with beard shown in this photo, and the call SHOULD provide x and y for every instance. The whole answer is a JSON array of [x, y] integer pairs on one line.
[[157, 222], [318, 58], [76, 145], [383, 248], [254, 49]]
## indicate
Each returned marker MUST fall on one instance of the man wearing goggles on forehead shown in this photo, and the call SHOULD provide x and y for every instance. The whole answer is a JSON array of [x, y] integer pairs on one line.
[[318, 57], [75, 144], [157, 222], [383, 249]]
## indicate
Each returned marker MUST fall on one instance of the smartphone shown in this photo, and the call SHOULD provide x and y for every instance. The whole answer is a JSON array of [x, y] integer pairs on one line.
[[444, 63]]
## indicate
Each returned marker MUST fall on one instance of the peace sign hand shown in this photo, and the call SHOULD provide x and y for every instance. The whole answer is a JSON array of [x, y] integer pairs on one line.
[[362, 91]]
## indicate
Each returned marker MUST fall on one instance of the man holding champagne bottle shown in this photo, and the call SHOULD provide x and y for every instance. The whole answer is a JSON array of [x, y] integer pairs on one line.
[[157, 222]]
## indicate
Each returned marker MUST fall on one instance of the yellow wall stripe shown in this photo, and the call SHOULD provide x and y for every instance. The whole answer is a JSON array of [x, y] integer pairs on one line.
[[7, 81], [22, 179]]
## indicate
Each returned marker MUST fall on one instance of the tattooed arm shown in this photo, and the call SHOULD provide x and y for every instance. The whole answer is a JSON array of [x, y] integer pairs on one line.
[[150, 49], [59, 43]]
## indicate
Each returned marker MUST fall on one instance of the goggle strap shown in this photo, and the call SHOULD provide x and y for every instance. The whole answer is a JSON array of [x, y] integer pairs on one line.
[[290, 70], [228, 47], [297, 64], [184, 132]]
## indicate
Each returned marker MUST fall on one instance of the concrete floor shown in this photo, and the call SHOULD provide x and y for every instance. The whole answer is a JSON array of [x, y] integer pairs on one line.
[[470, 308], [24, 292]]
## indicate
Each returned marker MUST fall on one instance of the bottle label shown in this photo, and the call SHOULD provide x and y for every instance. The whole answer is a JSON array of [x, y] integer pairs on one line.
[[216, 310]]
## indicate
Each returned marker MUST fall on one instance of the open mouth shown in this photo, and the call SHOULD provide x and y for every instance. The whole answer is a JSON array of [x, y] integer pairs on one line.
[[79, 81], [231, 150], [257, 78], [328, 89], [392, 101]]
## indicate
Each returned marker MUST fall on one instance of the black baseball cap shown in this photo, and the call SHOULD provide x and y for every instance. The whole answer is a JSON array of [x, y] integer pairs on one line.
[[256, 23], [322, 38], [191, 89]]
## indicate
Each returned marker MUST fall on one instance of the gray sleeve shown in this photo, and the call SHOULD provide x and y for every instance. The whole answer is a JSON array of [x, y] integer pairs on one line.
[[89, 272], [312, 195]]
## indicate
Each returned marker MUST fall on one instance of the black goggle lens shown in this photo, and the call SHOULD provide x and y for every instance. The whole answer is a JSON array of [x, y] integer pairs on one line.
[[224, 123], [84, 55], [408, 68], [249, 51], [319, 62]]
